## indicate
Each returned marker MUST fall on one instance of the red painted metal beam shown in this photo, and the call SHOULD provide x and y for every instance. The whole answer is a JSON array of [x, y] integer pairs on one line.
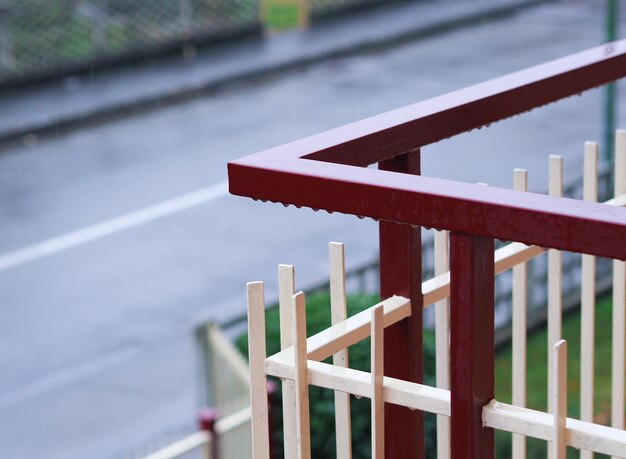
[[393, 133], [401, 274], [283, 174], [471, 344], [499, 213], [319, 172]]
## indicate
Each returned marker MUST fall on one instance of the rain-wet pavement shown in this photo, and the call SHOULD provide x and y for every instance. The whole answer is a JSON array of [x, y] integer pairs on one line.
[[96, 340], [95, 94]]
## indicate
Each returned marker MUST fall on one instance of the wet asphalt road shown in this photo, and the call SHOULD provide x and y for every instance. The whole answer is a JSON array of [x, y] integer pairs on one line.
[[96, 341]]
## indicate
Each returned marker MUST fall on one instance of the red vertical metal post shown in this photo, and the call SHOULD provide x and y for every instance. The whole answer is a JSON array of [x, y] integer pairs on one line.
[[206, 421], [401, 274], [471, 344]]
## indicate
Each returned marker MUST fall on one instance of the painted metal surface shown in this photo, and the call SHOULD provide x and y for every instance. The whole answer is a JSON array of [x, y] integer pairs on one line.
[[299, 173], [327, 172], [401, 274], [472, 349]]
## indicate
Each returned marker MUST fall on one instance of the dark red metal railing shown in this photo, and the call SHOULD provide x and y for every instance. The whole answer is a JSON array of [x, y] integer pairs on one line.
[[327, 172]]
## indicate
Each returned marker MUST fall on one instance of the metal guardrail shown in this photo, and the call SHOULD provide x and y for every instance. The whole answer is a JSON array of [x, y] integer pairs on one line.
[[40, 38], [364, 278], [319, 172], [220, 362], [53, 36]]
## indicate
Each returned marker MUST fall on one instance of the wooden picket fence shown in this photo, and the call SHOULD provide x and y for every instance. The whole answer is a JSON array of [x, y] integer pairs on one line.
[[300, 361]]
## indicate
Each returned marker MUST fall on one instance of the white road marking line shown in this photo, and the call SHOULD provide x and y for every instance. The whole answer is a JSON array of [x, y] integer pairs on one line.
[[112, 226]]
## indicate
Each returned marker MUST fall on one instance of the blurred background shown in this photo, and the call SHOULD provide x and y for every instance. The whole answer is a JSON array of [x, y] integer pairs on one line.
[[118, 238]]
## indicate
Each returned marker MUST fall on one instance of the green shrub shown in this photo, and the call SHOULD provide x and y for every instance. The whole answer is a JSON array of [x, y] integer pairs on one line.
[[322, 406]]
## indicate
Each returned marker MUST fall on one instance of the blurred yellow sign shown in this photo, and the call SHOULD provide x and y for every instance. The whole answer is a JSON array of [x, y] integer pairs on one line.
[[284, 14]]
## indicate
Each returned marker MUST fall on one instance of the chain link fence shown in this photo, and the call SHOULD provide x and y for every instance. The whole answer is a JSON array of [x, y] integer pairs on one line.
[[46, 37], [39, 37]]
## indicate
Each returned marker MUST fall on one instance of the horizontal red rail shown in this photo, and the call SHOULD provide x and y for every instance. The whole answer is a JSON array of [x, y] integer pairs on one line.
[[500, 213], [320, 172]]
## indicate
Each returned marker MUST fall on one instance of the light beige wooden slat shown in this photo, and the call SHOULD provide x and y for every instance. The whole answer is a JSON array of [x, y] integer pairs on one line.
[[327, 342], [505, 258], [436, 289], [233, 421], [555, 271], [301, 379], [442, 341], [520, 183], [619, 201], [378, 400], [588, 298], [224, 347], [540, 425], [286, 290], [618, 405], [356, 328], [559, 400], [337, 265], [258, 379], [399, 392], [496, 415]]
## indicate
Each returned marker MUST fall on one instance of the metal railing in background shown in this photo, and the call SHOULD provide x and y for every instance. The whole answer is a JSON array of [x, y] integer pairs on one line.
[[40, 38]]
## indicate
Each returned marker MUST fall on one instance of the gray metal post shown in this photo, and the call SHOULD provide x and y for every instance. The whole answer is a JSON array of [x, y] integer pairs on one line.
[[610, 89]]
